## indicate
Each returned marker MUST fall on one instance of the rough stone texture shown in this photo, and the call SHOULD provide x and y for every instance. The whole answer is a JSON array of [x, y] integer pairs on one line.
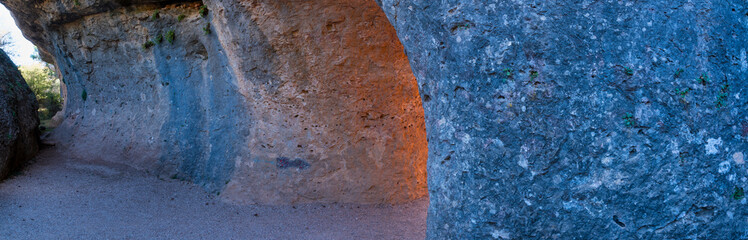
[[546, 119], [548, 150], [331, 86], [19, 122], [281, 102]]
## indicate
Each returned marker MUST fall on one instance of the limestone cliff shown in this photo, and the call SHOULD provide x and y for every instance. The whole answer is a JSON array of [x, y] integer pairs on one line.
[[261, 101]]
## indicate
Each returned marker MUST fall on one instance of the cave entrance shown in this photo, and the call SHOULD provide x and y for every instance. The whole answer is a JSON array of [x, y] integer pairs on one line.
[[41, 77]]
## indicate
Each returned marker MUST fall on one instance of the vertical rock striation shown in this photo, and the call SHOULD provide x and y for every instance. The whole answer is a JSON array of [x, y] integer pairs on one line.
[[267, 102], [19, 122], [582, 119]]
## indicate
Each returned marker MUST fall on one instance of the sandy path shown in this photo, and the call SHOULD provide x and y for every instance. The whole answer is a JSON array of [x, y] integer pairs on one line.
[[61, 198]]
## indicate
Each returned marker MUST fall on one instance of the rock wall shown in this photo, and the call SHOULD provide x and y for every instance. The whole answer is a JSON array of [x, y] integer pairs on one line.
[[269, 102], [551, 119], [582, 119], [19, 122]]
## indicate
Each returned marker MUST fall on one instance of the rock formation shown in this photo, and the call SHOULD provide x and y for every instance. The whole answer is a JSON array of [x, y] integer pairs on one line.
[[19, 132], [267, 102], [545, 119], [582, 119]]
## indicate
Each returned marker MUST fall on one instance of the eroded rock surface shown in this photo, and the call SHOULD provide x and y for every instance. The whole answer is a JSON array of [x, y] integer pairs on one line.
[[582, 119], [19, 122], [266, 102], [546, 119]]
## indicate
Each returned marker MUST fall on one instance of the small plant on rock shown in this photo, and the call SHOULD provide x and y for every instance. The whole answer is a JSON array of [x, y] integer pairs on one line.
[[508, 73], [678, 72], [203, 11], [629, 120], [84, 95], [148, 44], [738, 194], [170, 36], [181, 17], [533, 75], [76, 3], [722, 97], [628, 71], [158, 39], [206, 29], [155, 15], [683, 92], [703, 79]]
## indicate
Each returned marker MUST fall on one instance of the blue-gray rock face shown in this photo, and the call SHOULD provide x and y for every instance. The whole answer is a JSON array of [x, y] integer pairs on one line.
[[19, 122], [582, 119]]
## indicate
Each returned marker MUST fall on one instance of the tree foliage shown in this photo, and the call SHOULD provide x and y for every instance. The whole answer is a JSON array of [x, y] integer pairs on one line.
[[6, 42], [46, 86]]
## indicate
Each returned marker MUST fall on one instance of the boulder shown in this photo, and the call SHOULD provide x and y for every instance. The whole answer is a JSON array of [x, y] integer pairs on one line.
[[582, 119], [19, 122]]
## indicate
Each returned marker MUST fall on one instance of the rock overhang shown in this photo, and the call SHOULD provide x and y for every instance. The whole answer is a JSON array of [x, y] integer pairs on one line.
[[273, 103]]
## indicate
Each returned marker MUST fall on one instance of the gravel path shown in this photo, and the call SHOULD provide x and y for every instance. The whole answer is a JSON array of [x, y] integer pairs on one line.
[[62, 198]]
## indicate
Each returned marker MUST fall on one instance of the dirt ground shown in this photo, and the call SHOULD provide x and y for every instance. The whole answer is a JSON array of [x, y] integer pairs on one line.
[[64, 198]]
